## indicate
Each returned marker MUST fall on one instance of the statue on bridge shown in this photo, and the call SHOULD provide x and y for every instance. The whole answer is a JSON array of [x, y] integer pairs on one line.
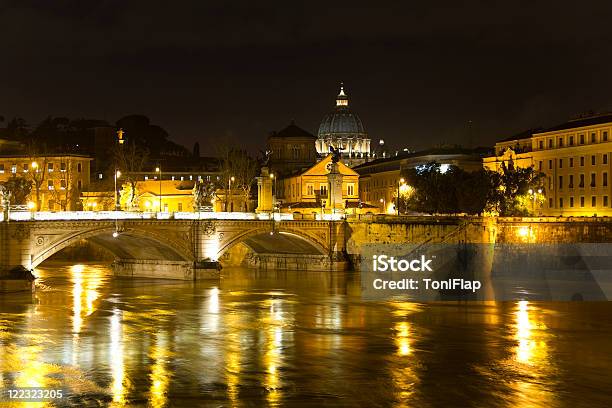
[[336, 153], [203, 194]]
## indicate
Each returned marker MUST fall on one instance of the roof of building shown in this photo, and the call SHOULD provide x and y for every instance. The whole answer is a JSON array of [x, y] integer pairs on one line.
[[526, 134], [436, 151], [341, 121], [292, 131], [581, 122]]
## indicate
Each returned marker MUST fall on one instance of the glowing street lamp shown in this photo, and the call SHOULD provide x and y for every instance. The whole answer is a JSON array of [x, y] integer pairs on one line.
[[158, 171], [382, 202], [117, 175], [399, 184], [229, 192]]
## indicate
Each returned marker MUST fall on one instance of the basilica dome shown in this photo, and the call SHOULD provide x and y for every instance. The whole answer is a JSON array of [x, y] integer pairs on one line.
[[343, 129]]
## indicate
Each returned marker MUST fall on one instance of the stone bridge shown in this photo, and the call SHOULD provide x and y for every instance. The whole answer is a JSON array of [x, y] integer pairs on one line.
[[179, 247], [191, 248]]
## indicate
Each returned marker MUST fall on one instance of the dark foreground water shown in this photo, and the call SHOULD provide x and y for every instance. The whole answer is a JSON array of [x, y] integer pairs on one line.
[[295, 339]]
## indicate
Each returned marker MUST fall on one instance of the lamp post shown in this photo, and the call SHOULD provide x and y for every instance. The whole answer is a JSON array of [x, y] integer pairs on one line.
[[399, 184], [533, 197], [158, 170], [229, 192], [117, 175], [382, 201]]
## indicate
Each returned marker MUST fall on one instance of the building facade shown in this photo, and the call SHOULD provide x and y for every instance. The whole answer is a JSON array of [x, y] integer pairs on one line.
[[309, 192], [343, 129], [57, 180], [292, 150], [575, 159]]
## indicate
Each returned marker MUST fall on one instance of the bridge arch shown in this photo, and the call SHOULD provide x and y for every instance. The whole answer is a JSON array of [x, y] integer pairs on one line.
[[263, 240], [131, 243]]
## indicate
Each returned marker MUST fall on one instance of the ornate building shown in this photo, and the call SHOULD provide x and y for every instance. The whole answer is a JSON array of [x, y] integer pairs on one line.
[[343, 129], [291, 150]]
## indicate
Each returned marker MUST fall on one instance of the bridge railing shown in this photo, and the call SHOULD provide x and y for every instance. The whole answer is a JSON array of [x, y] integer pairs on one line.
[[134, 215]]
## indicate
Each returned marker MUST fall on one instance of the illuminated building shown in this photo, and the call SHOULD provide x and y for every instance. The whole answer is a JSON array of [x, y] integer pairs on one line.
[[60, 178], [380, 179], [343, 129], [309, 191], [574, 158]]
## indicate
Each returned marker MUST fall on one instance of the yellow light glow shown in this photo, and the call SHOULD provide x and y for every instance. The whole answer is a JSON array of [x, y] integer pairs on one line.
[[118, 174], [402, 180], [233, 178], [31, 205], [157, 169], [34, 165], [523, 232], [271, 175], [147, 204]]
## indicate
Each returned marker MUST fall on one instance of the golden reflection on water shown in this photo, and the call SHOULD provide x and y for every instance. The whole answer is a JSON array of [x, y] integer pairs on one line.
[[532, 354], [116, 359], [273, 356], [160, 373]]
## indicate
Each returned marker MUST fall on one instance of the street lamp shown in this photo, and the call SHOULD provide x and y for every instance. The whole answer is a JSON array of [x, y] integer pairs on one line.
[[399, 184], [533, 196], [34, 166], [229, 192], [382, 201], [117, 175], [158, 171]]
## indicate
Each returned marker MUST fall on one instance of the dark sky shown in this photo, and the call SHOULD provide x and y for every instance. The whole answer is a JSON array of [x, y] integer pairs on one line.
[[416, 72]]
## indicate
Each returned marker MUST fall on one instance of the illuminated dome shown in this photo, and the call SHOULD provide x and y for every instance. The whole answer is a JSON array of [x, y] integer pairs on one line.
[[343, 128]]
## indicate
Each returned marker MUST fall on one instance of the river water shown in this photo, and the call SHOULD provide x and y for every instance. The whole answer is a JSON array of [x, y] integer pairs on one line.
[[294, 339]]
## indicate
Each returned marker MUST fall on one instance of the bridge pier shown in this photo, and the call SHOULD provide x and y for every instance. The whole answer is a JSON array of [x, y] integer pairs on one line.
[[158, 269]]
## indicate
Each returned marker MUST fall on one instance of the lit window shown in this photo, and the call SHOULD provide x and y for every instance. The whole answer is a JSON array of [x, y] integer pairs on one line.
[[50, 184], [26, 167], [50, 167], [62, 184], [100, 176], [1, 168], [146, 177], [63, 166], [350, 189], [13, 168]]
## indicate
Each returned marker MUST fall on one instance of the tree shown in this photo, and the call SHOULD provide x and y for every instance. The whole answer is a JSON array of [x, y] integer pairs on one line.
[[67, 193], [38, 169], [17, 129], [16, 190], [129, 159], [510, 187], [238, 164]]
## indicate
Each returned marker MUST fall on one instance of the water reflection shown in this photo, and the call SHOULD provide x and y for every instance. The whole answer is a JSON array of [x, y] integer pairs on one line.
[[282, 338]]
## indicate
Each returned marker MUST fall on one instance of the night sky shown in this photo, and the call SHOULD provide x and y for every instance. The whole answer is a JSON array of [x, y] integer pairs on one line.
[[416, 72]]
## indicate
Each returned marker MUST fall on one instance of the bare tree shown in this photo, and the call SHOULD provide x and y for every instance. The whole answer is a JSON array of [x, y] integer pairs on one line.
[[67, 193], [236, 163], [37, 170], [129, 160]]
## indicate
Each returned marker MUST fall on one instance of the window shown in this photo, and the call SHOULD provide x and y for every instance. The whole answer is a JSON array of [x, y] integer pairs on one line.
[[296, 151], [550, 203], [26, 167], [592, 179], [593, 160], [180, 206], [560, 163], [571, 181], [571, 140], [605, 201], [550, 164], [79, 167], [604, 179], [323, 190], [593, 138], [541, 144], [350, 189], [310, 189], [560, 142], [50, 167], [582, 201], [571, 160], [13, 168], [561, 202], [571, 201], [540, 165], [581, 161], [2, 168], [147, 177], [604, 159], [581, 139], [550, 143], [100, 175], [62, 184], [560, 182], [50, 184], [604, 136], [63, 166], [581, 185], [79, 184], [593, 201]]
